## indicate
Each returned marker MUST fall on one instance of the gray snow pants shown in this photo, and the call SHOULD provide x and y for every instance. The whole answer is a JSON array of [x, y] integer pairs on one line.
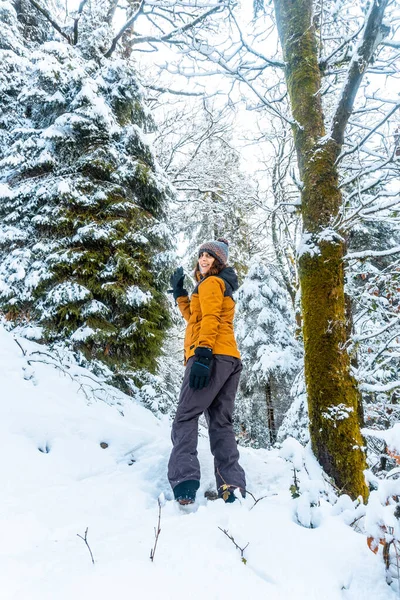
[[217, 402]]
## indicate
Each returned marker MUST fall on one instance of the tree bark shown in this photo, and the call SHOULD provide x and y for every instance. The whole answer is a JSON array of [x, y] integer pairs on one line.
[[270, 412], [333, 397]]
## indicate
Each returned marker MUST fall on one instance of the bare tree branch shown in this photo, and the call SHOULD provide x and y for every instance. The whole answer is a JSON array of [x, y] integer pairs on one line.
[[370, 253], [111, 11], [370, 132], [323, 62], [357, 68], [391, 43], [50, 19], [23, 350], [173, 92], [164, 38], [76, 20], [125, 28], [268, 61]]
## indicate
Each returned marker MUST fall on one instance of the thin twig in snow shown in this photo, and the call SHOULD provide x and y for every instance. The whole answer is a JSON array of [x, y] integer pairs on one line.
[[22, 349], [156, 532], [256, 500], [244, 560], [86, 542]]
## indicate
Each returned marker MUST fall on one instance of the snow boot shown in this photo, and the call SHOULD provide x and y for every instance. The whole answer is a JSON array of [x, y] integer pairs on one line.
[[228, 494], [185, 492]]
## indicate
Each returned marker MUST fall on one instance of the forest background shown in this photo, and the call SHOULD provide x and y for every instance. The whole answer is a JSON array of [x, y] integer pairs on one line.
[[131, 131]]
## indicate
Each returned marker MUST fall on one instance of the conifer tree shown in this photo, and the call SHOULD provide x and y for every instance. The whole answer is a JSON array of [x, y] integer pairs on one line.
[[271, 356], [84, 246]]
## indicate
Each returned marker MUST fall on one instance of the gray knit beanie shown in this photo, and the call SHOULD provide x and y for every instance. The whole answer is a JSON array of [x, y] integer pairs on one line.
[[218, 249]]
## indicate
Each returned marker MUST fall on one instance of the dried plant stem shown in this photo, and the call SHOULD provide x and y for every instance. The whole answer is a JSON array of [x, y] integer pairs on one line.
[[244, 560], [157, 531], [86, 542], [22, 349]]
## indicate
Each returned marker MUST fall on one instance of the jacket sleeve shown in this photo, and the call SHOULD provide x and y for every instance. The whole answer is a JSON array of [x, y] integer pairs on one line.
[[211, 297], [184, 306]]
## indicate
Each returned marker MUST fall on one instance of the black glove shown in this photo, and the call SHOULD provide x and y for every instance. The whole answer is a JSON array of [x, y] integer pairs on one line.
[[176, 282], [201, 368]]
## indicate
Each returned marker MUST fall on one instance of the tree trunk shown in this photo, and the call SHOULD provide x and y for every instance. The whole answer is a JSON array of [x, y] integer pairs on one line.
[[333, 397], [270, 412]]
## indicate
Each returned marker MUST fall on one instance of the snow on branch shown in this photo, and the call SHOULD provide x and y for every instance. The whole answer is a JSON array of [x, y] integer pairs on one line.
[[392, 43], [380, 387], [323, 62], [358, 65], [163, 38], [173, 92], [251, 50], [369, 336], [371, 253], [371, 131]]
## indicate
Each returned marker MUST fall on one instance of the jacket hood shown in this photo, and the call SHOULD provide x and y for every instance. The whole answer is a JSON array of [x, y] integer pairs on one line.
[[229, 275]]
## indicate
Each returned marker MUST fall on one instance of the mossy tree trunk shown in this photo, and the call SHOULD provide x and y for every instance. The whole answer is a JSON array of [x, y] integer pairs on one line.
[[333, 396]]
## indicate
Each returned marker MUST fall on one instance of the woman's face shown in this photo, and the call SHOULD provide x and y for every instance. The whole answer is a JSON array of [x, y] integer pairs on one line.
[[206, 261]]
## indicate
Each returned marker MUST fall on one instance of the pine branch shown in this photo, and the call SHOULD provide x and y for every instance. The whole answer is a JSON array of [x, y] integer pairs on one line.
[[358, 65], [48, 16]]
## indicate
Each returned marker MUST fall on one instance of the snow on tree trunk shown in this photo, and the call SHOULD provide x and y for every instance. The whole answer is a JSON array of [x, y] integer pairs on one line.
[[333, 396]]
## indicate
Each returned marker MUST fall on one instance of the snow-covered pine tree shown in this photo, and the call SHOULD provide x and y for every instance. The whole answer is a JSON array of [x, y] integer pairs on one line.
[[13, 66], [271, 355], [84, 246], [295, 422]]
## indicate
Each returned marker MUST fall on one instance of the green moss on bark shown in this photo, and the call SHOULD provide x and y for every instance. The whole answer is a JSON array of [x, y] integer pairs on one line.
[[333, 397]]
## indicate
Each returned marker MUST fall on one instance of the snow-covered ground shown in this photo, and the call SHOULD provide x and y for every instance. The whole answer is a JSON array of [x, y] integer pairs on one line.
[[57, 481]]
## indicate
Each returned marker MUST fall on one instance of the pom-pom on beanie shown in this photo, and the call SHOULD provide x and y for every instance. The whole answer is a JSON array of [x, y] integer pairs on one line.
[[218, 249]]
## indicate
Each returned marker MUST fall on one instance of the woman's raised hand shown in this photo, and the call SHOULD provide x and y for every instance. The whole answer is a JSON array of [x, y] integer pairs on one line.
[[176, 281]]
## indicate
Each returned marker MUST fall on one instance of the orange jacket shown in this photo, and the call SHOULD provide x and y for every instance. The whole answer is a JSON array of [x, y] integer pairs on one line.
[[209, 315]]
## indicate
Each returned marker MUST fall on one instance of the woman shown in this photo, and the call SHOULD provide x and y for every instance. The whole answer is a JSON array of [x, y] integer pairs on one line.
[[211, 377]]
